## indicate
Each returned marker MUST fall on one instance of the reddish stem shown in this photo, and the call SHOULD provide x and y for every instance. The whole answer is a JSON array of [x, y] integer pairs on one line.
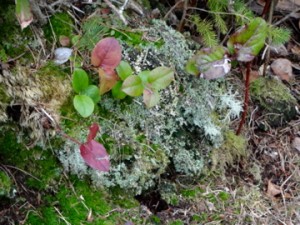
[[266, 8], [67, 136], [246, 98]]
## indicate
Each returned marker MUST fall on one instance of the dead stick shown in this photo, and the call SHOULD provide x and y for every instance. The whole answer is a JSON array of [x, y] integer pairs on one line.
[[119, 12]]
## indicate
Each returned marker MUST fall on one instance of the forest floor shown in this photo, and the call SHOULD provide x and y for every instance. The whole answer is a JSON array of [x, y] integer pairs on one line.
[[261, 188]]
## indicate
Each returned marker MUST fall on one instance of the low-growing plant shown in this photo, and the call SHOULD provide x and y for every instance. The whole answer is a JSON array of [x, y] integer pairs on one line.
[[23, 13], [93, 153], [242, 46], [146, 82], [87, 95], [107, 57]]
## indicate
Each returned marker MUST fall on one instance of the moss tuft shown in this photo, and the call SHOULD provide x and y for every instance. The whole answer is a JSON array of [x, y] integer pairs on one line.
[[275, 100], [5, 185], [233, 148], [61, 24], [13, 40], [74, 206]]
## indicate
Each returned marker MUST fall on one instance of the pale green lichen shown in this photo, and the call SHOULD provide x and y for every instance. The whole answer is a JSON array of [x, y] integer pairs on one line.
[[177, 133]]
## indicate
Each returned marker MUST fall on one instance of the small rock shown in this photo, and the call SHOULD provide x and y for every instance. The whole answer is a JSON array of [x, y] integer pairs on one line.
[[62, 55], [282, 68]]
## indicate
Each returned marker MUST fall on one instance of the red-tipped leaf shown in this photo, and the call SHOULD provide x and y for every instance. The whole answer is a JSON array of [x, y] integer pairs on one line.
[[107, 54], [94, 128]]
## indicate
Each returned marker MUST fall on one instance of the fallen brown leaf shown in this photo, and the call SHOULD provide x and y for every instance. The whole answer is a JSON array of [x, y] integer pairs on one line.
[[273, 189]]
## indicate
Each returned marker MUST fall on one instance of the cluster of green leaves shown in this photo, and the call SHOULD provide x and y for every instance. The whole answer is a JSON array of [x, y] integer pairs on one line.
[[242, 46], [218, 14], [146, 82], [87, 95]]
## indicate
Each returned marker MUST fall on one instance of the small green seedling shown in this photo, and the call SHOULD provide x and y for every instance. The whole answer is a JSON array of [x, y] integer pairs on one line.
[[146, 82], [107, 57], [242, 46], [87, 95]]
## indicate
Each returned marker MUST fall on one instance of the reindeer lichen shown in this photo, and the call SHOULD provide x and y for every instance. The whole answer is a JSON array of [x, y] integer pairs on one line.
[[178, 133]]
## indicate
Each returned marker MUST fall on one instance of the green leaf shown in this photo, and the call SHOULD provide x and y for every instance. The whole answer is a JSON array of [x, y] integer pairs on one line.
[[160, 77], [151, 97], [279, 35], [247, 42], [80, 80], [75, 39], [133, 86], [93, 92], [84, 105], [124, 70], [117, 91], [144, 75], [23, 13], [191, 67], [212, 63]]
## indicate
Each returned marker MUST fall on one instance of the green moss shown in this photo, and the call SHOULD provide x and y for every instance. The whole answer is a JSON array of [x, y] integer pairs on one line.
[[123, 199], [93, 30], [5, 184], [13, 40], [3, 56], [50, 69], [4, 98], [61, 24], [275, 99], [233, 148], [44, 215], [74, 206], [191, 193], [40, 163], [176, 222], [155, 220], [145, 3]]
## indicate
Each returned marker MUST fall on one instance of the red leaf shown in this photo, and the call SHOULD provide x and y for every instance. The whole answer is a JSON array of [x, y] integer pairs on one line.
[[107, 54], [107, 80], [93, 132], [95, 155]]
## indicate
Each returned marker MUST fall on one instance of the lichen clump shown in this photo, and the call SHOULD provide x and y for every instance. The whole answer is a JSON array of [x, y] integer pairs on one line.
[[177, 134]]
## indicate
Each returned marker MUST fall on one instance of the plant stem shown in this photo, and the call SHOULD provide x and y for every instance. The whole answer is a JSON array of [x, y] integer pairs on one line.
[[181, 24], [269, 39], [67, 136], [246, 98]]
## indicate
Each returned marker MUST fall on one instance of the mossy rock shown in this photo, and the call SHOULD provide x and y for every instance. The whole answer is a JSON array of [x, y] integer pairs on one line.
[[275, 99]]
